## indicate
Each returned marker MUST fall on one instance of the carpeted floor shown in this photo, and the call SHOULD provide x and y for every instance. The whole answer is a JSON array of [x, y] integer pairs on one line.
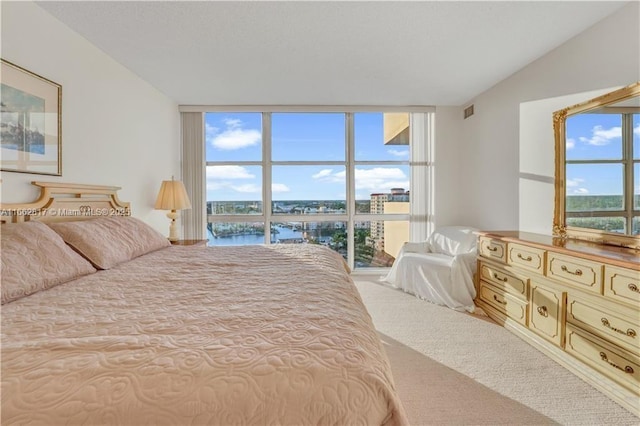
[[453, 368]]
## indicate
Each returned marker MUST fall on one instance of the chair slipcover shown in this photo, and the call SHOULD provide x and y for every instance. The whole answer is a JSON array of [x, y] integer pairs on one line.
[[439, 270]]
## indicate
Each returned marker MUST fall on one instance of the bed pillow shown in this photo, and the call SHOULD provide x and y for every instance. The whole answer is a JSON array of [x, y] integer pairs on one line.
[[35, 258], [109, 241]]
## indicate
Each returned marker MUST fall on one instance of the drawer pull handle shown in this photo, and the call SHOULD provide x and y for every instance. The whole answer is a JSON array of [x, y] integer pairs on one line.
[[627, 369], [633, 287], [504, 302], [492, 248], [577, 272], [504, 279], [542, 310], [526, 259], [630, 332]]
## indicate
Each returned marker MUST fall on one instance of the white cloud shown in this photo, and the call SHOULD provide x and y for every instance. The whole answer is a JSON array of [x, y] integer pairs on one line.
[[232, 122], [601, 136], [215, 185], [399, 153], [379, 179], [218, 185], [379, 173], [279, 187], [228, 172], [574, 182], [636, 130], [571, 143], [329, 176], [210, 131], [574, 187], [322, 173], [248, 187], [236, 139], [221, 178], [233, 136]]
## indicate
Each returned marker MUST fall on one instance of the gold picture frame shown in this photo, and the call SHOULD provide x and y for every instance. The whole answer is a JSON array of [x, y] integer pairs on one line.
[[560, 227], [30, 122]]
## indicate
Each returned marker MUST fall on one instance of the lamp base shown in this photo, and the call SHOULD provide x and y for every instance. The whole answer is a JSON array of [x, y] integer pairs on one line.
[[173, 228]]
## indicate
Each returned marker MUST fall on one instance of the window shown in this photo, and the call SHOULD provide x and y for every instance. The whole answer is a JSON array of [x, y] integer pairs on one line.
[[341, 179], [603, 171]]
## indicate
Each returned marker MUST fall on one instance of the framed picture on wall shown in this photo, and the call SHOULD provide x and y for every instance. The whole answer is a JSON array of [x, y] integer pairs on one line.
[[30, 122]]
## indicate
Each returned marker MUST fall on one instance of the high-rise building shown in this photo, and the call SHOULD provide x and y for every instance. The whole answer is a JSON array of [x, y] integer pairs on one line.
[[377, 206]]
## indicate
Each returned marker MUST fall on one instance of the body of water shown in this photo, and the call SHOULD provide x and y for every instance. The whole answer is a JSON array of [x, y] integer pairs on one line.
[[246, 239]]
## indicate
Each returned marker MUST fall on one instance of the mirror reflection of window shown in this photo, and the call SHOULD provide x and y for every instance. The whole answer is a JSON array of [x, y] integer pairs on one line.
[[595, 186], [636, 136], [597, 143], [594, 137], [636, 172], [636, 185], [600, 152]]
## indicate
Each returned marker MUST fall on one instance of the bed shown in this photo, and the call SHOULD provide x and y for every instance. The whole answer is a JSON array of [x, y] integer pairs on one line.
[[105, 322]]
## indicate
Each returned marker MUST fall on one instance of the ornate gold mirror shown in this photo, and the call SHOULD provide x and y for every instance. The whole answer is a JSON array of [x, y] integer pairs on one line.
[[597, 185]]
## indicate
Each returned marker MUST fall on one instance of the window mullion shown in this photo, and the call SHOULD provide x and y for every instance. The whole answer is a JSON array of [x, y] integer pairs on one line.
[[627, 147], [618, 161], [351, 191], [234, 163], [266, 175], [307, 163]]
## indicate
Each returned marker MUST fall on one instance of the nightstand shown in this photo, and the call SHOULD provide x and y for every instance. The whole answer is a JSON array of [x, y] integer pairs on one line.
[[189, 242]]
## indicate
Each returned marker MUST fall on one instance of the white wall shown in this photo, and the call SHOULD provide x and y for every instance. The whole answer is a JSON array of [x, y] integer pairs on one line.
[[537, 159], [116, 128], [449, 177], [507, 147]]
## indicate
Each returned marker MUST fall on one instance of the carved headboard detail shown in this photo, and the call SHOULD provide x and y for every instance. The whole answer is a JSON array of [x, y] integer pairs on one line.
[[59, 202]]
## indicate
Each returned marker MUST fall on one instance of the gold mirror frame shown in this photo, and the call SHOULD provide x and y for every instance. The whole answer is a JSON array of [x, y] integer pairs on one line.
[[560, 228]]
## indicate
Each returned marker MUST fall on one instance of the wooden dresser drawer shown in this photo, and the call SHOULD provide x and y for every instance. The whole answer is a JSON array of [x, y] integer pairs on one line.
[[493, 249], [582, 273], [527, 257], [506, 303], [622, 284], [620, 326], [546, 316], [579, 302], [504, 278], [615, 363]]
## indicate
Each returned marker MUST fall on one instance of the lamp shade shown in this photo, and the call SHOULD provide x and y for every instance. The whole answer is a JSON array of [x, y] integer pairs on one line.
[[172, 196]]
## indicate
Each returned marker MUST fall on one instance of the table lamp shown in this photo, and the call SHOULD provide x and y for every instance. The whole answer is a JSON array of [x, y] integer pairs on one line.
[[172, 196]]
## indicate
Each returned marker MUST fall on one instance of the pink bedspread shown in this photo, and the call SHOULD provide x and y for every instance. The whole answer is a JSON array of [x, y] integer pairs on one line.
[[258, 335]]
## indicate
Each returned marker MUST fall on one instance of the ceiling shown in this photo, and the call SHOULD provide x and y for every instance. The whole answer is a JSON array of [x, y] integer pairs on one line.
[[327, 52]]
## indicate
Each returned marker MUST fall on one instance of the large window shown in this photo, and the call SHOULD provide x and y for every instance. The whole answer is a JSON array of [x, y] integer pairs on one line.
[[603, 171], [338, 179]]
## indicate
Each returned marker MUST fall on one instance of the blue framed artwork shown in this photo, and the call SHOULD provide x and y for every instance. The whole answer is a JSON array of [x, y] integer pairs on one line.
[[30, 122]]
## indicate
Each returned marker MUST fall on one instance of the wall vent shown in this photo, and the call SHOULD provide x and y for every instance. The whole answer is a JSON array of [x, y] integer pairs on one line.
[[468, 111]]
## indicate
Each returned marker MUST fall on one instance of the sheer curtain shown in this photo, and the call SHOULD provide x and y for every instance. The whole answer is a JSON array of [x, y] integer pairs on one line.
[[422, 128], [194, 174]]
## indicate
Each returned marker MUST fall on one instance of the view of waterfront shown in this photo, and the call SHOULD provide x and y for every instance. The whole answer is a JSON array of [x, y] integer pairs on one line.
[[312, 156], [368, 236], [283, 233]]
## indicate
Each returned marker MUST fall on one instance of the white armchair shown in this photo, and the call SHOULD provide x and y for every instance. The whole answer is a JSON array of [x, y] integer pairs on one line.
[[440, 269]]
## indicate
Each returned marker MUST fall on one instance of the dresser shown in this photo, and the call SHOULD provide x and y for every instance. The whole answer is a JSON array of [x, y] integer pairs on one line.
[[578, 302]]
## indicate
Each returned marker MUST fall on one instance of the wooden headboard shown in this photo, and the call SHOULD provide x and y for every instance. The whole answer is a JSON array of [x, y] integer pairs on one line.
[[65, 202]]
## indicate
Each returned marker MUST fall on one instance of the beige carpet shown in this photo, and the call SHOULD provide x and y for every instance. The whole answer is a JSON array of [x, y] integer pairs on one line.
[[453, 368]]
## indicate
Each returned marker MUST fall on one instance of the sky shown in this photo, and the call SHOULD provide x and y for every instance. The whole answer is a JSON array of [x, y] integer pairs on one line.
[[237, 137], [598, 136]]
